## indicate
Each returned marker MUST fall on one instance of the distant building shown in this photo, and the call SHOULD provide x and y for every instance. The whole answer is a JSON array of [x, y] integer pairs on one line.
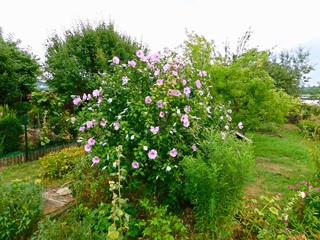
[[42, 86]]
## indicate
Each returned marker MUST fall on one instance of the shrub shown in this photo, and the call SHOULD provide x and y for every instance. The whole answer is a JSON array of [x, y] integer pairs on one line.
[[309, 128], [268, 127], [160, 224], [12, 130], [62, 127], [152, 107], [21, 207], [59, 164], [214, 181], [22, 108]]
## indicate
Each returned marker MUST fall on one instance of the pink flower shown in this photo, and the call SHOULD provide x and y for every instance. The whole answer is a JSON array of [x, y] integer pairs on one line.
[[298, 185], [100, 100], [226, 127], [166, 67], [223, 135], [115, 60], [286, 223], [166, 50], [174, 73], [132, 63], [289, 186], [82, 128], [89, 97], [89, 124], [154, 130], [187, 90], [87, 148], [186, 123], [116, 125], [140, 53], [135, 165], [175, 67], [194, 147], [156, 72], [152, 154], [198, 84], [95, 159], [170, 92], [173, 152], [177, 93], [240, 125], [184, 82], [96, 93], [279, 195], [84, 96], [91, 141], [159, 82], [310, 186], [103, 122], [184, 118], [77, 101], [160, 104], [73, 120], [148, 100], [304, 182], [294, 188], [187, 108], [318, 189], [156, 57], [161, 114]]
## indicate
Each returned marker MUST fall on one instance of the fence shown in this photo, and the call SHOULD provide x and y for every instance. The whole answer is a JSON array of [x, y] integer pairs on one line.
[[23, 153]]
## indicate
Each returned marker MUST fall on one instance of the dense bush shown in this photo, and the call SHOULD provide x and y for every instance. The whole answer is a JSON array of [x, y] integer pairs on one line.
[[151, 107], [21, 207], [59, 164], [22, 108], [309, 128], [62, 127], [268, 127], [215, 179], [11, 130]]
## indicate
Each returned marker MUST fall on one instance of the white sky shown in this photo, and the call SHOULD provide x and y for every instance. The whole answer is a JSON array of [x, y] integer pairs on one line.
[[162, 23]]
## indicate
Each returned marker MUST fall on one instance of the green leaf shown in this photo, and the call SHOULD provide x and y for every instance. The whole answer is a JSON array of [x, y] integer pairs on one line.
[[274, 211]]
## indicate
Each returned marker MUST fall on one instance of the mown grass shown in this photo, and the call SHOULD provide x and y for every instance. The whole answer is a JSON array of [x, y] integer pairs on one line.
[[282, 159]]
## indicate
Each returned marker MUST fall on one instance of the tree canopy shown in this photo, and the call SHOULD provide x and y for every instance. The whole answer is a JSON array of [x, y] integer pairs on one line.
[[74, 61], [18, 71]]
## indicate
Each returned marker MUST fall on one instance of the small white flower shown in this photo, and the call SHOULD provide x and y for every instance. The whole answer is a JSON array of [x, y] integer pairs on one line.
[[145, 148], [302, 194], [104, 168], [168, 168], [132, 137], [114, 164], [200, 93], [178, 111], [229, 111], [108, 157], [109, 100]]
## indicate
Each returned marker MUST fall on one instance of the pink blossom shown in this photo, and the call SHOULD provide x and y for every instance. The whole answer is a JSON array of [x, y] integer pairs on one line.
[[194, 147], [96, 93], [77, 101], [148, 99], [226, 127], [95, 159], [140, 53], [298, 185], [279, 195], [115, 60], [173, 152], [89, 97], [73, 120], [184, 118], [152, 154], [186, 123], [198, 84], [174, 73], [87, 148], [223, 135], [289, 186], [161, 114], [176, 59], [240, 125], [170, 92], [100, 100], [91, 141], [84, 96], [294, 188], [204, 73], [116, 125], [103, 122], [187, 90], [135, 165], [310, 186], [82, 128], [166, 50], [156, 72], [132, 63], [318, 189], [89, 124], [166, 67], [160, 104], [154, 130], [159, 82], [175, 67], [187, 108], [156, 57], [184, 82], [177, 93], [94, 122]]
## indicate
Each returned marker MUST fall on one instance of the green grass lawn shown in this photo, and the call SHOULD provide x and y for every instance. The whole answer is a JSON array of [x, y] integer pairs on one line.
[[280, 161]]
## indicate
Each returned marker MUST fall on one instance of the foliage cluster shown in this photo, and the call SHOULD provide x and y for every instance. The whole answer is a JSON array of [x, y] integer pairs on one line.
[[11, 131], [60, 164], [18, 71], [214, 182], [21, 207]]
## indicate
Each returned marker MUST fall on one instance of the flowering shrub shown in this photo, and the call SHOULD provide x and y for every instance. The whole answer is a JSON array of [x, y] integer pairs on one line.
[[152, 107]]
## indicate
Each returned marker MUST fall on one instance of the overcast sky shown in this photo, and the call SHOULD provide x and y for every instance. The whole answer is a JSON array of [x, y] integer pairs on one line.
[[283, 24]]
